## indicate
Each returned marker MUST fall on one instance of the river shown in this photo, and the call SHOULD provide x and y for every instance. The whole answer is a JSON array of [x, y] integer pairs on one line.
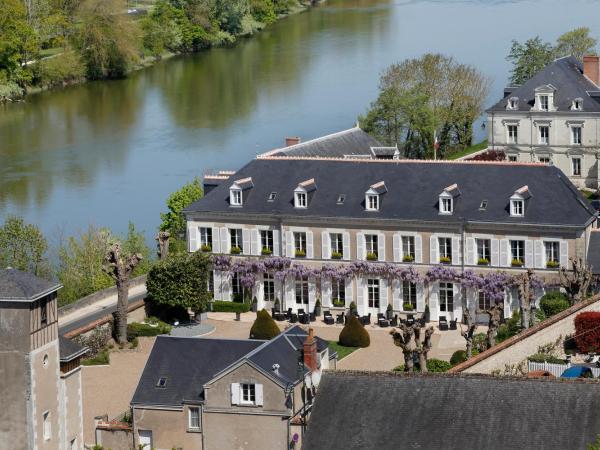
[[109, 152]]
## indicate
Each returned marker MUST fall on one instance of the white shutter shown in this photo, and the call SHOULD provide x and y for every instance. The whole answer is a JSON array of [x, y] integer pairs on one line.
[[433, 250], [507, 303], [381, 247], [255, 247], [397, 295], [457, 300], [289, 294], [312, 294], [325, 245], [235, 393], [258, 291], [397, 245], [420, 297], [383, 295], [309, 245], [289, 244], [360, 246], [217, 295], [495, 256], [226, 287], [504, 253], [258, 391], [539, 254], [346, 239], [246, 242], [326, 299], [418, 249], [456, 255], [349, 297], [216, 243], [434, 304], [564, 254], [224, 240], [360, 295], [528, 253], [276, 243], [471, 254], [192, 237]]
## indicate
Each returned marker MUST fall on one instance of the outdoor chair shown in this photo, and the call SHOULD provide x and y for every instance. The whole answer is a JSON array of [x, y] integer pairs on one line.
[[293, 318], [277, 315], [453, 324], [443, 323], [304, 318], [312, 316], [366, 320], [301, 311], [328, 318], [410, 319], [422, 321], [340, 318], [382, 321], [289, 313], [394, 321]]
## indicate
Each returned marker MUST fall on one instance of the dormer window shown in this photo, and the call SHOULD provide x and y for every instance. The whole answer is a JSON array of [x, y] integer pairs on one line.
[[304, 192], [373, 196], [235, 197], [513, 103], [544, 98], [372, 202], [300, 201], [238, 190], [446, 205], [517, 201], [446, 199], [544, 102], [577, 104]]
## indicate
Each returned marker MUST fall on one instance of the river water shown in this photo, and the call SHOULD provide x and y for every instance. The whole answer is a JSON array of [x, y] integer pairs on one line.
[[109, 152]]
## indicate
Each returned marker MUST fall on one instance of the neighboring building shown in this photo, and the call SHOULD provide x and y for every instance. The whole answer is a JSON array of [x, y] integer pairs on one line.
[[553, 118], [40, 391], [221, 394], [387, 411], [472, 215]]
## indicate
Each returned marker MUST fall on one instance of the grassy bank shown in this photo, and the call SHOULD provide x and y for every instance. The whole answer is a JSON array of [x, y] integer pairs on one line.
[[467, 151], [341, 350]]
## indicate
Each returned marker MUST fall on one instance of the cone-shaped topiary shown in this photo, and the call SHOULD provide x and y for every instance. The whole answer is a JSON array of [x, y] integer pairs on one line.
[[354, 334], [264, 327]]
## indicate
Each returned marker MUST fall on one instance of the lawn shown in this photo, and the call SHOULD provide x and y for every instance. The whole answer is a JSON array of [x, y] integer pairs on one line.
[[341, 350], [467, 151], [101, 359]]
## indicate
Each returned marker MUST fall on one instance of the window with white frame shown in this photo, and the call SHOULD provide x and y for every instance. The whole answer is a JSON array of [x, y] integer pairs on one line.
[[237, 290], [517, 207], [577, 104], [446, 205], [552, 252], [194, 418], [372, 202], [483, 251], [372, 246], [544, 159], [373, 292], [483, 301], [302, 291], [46, 426], [544, 134], [576, 166], [408, 248], [338, 291], [445, 249], [248, 391], [266, 241], [575, 135], [300, 243], [544, 102], [206, 238], [513, 132], [236, 240], [513, 103], [301, 200], [235, 197], [517, 252], [409, 295], [446, 297], [337, 245], [269, 288]]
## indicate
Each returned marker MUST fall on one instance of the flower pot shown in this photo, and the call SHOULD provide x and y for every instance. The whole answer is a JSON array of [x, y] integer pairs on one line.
[[238, 316], [389, 314], [317, 311], [254, 307]]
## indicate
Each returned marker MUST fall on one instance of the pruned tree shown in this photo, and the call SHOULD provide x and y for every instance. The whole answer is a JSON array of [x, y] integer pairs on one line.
[[423, 346], [469, 332], [576, 282], [413, 341], [120, 267], [163, 244], [495, 314], [526, 283]]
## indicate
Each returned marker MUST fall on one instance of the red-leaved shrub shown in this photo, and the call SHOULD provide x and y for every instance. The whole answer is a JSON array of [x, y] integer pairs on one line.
[[587, 331], [489, 155]]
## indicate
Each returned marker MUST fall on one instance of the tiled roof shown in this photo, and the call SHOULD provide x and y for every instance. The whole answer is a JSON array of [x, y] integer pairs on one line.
[[70, 350], [23, 286], [387, 411]]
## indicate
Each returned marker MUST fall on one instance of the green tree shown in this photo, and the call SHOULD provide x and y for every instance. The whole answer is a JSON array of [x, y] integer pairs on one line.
[[135, 244], [528, 58], [594, 445], [23, 247], [173, 221], [180, 280], [264, 327], [577, 43]]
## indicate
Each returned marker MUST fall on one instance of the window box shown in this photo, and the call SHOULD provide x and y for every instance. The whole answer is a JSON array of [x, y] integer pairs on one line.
[[300, 253], [516, 263], [339, 303], [445, 260], [552, 264], [407, 307], [408, 258], [206, 248], [483, 262], [336, 255], [372, 256], [235, 250], [266, 251]]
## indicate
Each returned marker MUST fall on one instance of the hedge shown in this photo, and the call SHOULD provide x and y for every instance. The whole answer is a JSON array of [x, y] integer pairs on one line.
[[554, 302], [354, 334], [264, 327], [234, 307], [136, 329], [544, 357], [587, 331], [433, 365]]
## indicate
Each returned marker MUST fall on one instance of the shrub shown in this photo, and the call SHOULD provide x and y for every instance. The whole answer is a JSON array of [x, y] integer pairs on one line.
[[554, 302], [300, 253], [408, 258], [96, 341], [544, 357], [457, 357], [61, 69], [372, 256], [264, 327], [483, 262], [336, 255], [510, 328], [438, 365], [445, 260], [516, 263], [206, 248], [489, 155], [235, 250], [552, 264], [338, 303], [101, 359], [354, 334], [223, 306], [479, 342], [136, 329], [407, 307], [266, 251], [587, 331]]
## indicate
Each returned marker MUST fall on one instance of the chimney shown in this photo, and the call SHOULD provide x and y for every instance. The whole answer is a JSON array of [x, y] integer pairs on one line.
[[311, 360], [591, 68], [292, 141]]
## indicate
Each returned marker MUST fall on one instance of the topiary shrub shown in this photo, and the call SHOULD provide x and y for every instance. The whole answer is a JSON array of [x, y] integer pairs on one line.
[[457, 357], [554, 302], [264, 327], [587, 331], [354, 334]]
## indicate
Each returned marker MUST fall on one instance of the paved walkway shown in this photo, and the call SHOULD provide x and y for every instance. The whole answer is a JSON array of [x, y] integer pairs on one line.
[[192, 329]]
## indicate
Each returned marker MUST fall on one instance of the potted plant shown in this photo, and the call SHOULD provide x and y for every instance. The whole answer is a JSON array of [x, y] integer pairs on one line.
[[427, 314], [336, 255], [483, 262], [206, 248], [352, 308], [300, 253], [338, 303], [389, 312], [445, 260], [276, 304], [266, 251], [408, 258], [235, 250], [407, 307], [552, 264], [516, 262], [254, 304], [371, 256], [318, 308]]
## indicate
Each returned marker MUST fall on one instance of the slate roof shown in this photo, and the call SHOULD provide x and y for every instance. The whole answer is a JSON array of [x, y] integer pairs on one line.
[[566, 75], [389, 411], [70, 350], [348, 142], [413, 189], [16, 285], [593, 258]]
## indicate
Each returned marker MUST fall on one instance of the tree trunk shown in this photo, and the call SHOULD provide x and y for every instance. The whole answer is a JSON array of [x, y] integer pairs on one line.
[[163, 244], [120, 315], [495, 313]]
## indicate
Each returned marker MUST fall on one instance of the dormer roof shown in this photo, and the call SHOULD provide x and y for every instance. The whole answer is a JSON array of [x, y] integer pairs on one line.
[[523, 192], [377, 188], [243, 183], [452, 190], [546, 88], [307, 185]]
